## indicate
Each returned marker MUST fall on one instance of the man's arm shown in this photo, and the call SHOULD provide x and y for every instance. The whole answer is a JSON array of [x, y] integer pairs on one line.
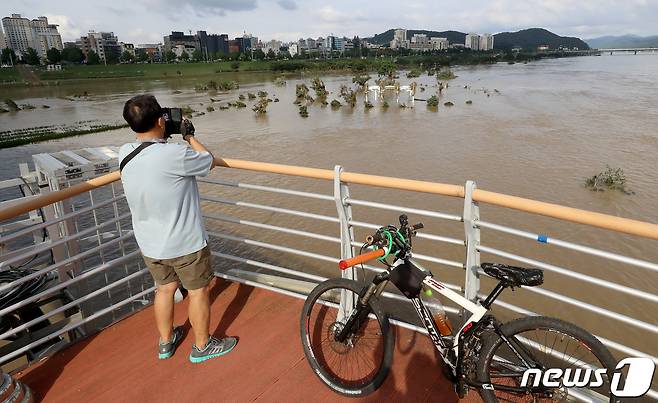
[[194, 143]]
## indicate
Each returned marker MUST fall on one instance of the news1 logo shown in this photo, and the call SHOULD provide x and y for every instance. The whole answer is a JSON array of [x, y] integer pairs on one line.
[[636, 383]]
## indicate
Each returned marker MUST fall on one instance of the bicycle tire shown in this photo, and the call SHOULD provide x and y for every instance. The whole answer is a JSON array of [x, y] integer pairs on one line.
[[333, 381], [526, 324]]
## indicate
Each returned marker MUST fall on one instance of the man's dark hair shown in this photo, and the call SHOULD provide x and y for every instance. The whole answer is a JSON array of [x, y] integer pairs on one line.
[[142, 112]]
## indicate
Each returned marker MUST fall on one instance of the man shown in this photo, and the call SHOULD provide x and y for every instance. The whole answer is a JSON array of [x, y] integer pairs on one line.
[[162, 193]]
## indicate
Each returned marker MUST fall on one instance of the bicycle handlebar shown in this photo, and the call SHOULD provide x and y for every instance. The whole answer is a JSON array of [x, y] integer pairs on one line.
[[344, 264], [388, 240]]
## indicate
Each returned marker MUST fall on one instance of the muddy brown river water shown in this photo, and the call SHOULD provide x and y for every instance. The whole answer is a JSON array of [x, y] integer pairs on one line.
[[534, 130]]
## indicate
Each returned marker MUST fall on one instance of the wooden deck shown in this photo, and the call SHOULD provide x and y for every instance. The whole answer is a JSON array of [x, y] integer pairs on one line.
[[120, 365]]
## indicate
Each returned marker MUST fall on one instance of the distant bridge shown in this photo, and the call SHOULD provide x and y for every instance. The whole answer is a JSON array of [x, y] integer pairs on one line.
[[629, 50]]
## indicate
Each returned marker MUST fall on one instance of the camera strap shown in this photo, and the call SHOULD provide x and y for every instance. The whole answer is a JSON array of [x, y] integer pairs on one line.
[[134, 153]]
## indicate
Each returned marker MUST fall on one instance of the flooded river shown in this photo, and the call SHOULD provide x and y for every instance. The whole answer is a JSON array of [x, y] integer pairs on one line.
[[534, 130]]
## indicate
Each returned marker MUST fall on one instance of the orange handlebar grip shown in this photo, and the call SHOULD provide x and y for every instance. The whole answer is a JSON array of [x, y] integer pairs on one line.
[[344, 264]]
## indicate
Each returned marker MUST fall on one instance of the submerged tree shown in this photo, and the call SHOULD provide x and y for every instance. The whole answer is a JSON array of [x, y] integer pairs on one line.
[[261, 106], [320, 90], [349, 96], [611, 178]]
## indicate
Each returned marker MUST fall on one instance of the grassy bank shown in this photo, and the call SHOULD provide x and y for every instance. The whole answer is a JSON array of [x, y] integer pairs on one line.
[[174, 70], [9, 75], [13, 138]]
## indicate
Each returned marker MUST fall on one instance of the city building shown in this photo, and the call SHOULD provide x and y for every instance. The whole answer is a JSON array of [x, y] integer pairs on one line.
[[249, 42], [104, 44], [293, 49], [311, 44], [127, 47], [20, 34], [177, 38], [472, 41], [3, 43], [400, 39], [212, 44], [273, 45], [338, 44], [419, 42], [233, 46], [46, 35], [486, 42], [438, 43], [153, 51]]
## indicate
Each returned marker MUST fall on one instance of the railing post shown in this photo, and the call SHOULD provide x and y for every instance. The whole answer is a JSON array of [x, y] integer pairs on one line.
[[472, 237], [341, 193]]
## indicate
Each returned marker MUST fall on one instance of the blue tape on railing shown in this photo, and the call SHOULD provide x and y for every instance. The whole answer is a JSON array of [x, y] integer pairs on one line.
[[542, 238]]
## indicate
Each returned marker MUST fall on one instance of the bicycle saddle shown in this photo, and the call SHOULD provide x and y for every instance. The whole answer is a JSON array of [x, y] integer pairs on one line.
[[514, 276]]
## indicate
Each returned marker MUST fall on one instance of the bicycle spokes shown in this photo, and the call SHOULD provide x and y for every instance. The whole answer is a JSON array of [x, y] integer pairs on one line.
[[355, 359]]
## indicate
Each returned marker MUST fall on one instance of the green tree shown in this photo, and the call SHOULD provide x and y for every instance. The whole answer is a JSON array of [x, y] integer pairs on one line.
[[271, 55], [54, 55], [184, 56], [170, 56], [111, 58], [93, 58], [197, 55], [8, 56], [127, 57], [141, 55], [32, 57], [73, 55], [259, 54], [387, 68]]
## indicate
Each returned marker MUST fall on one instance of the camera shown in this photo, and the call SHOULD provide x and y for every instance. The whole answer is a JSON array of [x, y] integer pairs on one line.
[[173, 118]]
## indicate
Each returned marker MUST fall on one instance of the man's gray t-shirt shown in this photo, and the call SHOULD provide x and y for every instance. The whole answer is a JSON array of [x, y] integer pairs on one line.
[[163, 197]]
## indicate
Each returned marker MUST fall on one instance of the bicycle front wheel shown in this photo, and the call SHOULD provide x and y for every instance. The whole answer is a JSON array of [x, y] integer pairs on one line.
[[358, 365], [544, 343]]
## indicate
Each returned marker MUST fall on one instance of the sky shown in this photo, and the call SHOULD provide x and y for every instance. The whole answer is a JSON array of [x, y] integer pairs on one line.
[[147, 21]]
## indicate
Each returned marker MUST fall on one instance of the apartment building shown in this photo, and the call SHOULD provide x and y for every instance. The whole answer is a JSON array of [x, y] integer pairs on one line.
[[21, 33]]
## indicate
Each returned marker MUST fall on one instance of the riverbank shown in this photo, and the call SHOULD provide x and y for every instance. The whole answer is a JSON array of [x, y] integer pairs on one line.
[[11, 76]]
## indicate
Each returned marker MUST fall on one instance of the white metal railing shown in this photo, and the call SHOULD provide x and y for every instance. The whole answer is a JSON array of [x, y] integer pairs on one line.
[[472, 234], [471, 247], [98, 273]]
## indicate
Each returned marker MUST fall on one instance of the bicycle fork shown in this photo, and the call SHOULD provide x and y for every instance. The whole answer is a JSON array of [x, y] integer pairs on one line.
[[361, 311]]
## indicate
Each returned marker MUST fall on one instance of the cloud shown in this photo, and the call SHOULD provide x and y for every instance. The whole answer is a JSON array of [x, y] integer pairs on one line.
[[180, 10], [67, 28], [287, 4]]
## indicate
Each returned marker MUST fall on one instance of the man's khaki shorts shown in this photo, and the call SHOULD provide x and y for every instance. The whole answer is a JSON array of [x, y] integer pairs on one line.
[[194, 270]]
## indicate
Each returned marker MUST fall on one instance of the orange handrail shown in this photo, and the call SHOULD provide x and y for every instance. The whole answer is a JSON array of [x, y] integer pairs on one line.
[[618, 224]]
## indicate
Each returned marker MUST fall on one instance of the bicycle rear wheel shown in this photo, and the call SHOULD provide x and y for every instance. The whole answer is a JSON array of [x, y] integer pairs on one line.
[[360, 364], [550, 343]]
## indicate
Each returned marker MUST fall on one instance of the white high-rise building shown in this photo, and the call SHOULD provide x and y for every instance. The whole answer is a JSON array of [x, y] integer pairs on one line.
[[399, 39], [47, 35], [21, 34], [486, 42], [3, 43], [293, 49], [472, 41]]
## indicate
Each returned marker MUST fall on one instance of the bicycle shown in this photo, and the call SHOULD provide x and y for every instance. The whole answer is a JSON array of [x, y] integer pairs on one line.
[[484, 354]]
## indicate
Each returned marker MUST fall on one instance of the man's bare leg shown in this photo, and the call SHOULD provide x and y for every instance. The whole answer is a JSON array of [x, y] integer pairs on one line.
[[164, 310], [199, 311]]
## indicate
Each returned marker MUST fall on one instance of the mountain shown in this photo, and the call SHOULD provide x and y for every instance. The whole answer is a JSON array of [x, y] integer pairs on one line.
[[624, 41], [533, 37], [527, 38]]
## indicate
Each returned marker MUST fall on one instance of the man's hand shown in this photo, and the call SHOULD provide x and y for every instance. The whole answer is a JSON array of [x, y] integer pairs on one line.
[[187, 129]]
